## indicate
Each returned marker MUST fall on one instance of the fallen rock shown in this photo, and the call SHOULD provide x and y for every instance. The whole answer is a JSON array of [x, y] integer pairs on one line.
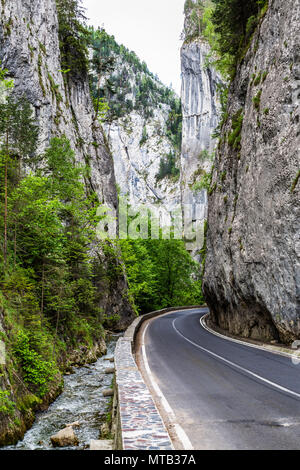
[[101, 445], [108, 392], [76, 424], [64, 438], [110, 370]]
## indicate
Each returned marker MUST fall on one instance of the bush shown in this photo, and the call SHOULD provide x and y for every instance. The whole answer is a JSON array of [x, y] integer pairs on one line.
[[168, 167], [204, 183], [6, 405], [234, 138], [36, 371]]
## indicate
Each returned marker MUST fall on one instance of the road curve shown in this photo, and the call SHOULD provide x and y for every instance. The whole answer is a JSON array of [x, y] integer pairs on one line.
[[224, 395]]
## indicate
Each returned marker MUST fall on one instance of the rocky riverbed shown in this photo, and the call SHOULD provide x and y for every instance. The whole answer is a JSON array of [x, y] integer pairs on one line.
[[81, 401]]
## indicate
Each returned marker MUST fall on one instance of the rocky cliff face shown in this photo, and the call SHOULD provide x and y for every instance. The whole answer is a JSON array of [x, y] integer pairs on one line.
[[30, 51], [137, 163], [138, 127], [252, 268], [200, 109]]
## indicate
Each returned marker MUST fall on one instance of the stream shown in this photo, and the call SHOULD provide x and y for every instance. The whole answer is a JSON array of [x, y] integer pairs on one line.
[[81, 400]]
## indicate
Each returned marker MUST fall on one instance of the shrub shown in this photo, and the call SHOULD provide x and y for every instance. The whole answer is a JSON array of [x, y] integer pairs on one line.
[[36, 370], [203, 183], [234, 138], [6, 405], [256, 100]]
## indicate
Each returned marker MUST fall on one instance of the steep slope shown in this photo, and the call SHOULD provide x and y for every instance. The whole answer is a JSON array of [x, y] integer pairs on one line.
[[252, 267], [30, 51], [29, 378]]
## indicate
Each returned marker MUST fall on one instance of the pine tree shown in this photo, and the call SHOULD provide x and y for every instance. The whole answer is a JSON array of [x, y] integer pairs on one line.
[[73, 37], [18, 135], [230, 19]]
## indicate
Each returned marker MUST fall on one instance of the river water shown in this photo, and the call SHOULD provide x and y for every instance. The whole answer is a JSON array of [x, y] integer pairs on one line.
[[81, 401]]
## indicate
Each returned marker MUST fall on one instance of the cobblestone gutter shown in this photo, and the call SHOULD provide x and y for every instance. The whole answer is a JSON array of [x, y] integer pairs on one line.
[[137, 422]]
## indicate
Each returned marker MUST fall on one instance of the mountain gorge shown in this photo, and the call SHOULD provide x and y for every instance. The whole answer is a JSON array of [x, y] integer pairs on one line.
[[61, 287], [83, 122]]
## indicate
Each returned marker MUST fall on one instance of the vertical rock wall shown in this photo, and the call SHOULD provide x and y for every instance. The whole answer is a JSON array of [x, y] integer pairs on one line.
[[30, 51], [200, 117], [252, 273]]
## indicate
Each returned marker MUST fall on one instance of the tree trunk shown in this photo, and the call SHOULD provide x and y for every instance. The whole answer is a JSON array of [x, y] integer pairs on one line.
[[15, 245], [5, 212], [43, 291], [55, 339]]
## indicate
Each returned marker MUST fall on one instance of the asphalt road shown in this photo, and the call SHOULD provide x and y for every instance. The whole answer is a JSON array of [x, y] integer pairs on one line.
[[224, 395]]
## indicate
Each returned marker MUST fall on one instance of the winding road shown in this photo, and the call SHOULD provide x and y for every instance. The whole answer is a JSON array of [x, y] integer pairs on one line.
[[221, 394]]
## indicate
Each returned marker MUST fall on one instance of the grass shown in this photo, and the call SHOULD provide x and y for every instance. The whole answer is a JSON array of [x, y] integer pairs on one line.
[[256, 100], [234, 138], [295, 182]]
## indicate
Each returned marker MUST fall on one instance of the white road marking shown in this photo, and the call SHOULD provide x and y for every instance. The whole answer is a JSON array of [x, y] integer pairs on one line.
[[244, 343], [181, 434], [273, 384]]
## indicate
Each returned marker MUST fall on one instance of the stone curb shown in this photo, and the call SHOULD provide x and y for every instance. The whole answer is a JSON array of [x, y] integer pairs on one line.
[[139, 425]]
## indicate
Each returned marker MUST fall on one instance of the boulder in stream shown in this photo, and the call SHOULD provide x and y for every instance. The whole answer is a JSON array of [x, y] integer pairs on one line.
[[64, 438]]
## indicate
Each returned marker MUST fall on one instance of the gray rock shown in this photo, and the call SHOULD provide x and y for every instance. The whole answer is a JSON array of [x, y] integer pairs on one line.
[[76, 424], [201, 112], [252, 267], [101, 445], [65, 438]]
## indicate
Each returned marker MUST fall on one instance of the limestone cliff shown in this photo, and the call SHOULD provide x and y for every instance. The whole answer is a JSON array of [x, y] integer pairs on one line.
[[137, 164], [252, 270], [29, 49], [139, 125], [200, 109]]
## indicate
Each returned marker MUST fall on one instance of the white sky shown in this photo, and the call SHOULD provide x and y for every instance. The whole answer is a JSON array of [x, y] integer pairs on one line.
[[150, 28]]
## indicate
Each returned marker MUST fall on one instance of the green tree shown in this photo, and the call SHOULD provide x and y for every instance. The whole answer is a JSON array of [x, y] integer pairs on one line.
[[19, 137], [161, 273], [230, 19], [73, 37], [103, 63], [39, 229], [167, 167], [194, 10]]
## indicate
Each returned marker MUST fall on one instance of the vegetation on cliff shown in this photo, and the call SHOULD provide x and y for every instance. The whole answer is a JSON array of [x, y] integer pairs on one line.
[[48, 277], [228, 25], [122, 85]]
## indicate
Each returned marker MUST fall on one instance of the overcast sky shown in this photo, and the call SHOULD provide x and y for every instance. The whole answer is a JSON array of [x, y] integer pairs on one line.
[[150, 28]]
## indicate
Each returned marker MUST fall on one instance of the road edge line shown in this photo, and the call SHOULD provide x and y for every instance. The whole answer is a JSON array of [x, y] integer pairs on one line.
[[181, 434], [237, 366], [266, 348]]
